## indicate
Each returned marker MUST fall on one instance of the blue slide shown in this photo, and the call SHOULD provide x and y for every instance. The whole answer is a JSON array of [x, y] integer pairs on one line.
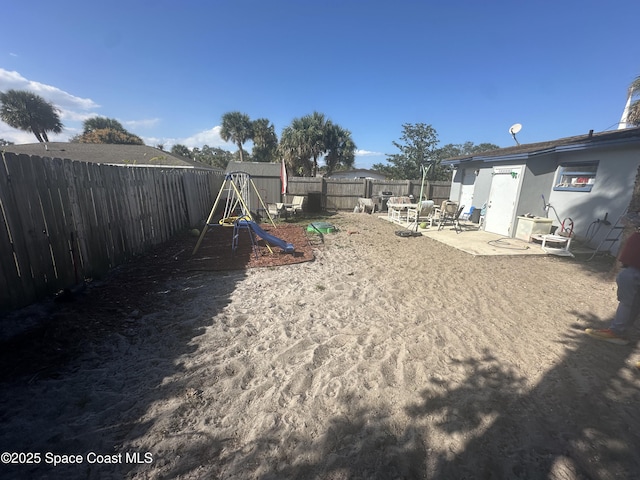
[[270, 239]]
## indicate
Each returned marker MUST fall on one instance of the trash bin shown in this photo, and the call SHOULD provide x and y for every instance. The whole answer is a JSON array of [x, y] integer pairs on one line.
[[314, 202], [475, 215]]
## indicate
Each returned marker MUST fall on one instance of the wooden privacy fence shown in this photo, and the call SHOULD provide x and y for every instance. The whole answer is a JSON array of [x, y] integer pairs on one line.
[[343, 193], [62, 221]]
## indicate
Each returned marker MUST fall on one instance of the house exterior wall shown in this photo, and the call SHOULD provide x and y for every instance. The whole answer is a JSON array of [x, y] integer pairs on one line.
[[586, 203], [265, 177], [269, 189], [482, 185], [610, 195], [539, 174], [456, 183]]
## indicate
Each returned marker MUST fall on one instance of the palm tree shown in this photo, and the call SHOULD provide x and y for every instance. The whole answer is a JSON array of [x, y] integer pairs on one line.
[[310, 137], [294, 150], [29, 112], [314, 128], [341, 150], [633, 116], [236, 127], [309, 134], [265, 141]]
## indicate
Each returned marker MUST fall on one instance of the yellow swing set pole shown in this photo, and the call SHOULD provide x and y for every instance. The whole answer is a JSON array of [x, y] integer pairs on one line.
[[206, 225]]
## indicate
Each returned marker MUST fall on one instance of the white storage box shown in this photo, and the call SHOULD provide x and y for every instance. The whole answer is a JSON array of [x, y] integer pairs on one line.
[[528, 226]]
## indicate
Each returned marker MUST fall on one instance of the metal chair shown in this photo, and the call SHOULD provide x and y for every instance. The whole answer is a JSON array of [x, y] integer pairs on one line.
[[451, 212], [423, 209]]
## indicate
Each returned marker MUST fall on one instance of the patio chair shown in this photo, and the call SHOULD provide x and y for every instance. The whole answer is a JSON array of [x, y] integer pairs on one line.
[[451, 212], [296, 204], [445, 210], [467, 215], [276, 210], [366, 205], [423, 210]]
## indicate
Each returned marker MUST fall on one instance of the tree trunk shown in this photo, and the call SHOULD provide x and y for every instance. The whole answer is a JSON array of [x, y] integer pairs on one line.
[[36, 132]]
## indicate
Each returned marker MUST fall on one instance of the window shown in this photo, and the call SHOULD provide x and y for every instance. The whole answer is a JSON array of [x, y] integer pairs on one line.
[[576, 177]]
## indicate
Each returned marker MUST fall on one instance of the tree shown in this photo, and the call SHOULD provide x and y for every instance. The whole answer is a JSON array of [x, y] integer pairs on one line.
[[417, 150], [314, 133], [108, 135], [29, 112], [467, 148], [633, 116], [100, 123], [265, 141], [106, 130], [306, 140], [214, 156], [293, 151], [340, 148], [182, 150], [4, 142], [237, 128]]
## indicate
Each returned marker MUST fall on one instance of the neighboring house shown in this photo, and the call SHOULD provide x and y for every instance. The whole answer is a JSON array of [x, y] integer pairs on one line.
[[358, 173], [586, 179], [266, 178], [104, 153]]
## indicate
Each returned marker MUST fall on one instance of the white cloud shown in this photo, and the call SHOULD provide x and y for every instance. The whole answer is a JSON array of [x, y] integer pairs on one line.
[[62, 99], [15, 136], [209, 137], [367, 153], [72, 109]]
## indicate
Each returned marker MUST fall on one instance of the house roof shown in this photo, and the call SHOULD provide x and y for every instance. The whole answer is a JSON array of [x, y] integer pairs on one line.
[[105, 154], [255, 169], [580, 142]]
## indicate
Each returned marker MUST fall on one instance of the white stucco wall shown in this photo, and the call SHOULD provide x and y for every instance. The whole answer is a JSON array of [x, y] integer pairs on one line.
[[609, 196]]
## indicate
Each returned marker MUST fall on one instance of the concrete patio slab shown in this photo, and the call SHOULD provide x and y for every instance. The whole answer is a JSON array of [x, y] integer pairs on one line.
[[476, 242]]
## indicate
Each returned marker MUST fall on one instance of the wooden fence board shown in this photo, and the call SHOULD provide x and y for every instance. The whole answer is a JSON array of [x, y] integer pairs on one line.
[[112, 218], [37, 261], [77, 242], [133, 233], [60, 236], [191, 187], [53, 229], [14, 290]]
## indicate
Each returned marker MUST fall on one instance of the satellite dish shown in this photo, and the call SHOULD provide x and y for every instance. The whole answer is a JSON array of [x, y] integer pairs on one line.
[[513, 129]]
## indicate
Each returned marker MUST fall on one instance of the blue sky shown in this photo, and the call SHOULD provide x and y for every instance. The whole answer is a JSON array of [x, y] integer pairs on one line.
[[169, 70]]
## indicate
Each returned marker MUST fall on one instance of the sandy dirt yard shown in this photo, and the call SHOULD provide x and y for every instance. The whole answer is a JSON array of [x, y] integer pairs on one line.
[[383, 358]]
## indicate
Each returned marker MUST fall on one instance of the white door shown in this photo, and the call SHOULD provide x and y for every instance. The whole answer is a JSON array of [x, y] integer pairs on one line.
[[501, 206], [466, 189]]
